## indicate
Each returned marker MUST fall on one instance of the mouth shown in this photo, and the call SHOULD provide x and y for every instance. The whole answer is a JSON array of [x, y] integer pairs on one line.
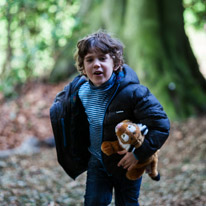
[[98, 73]]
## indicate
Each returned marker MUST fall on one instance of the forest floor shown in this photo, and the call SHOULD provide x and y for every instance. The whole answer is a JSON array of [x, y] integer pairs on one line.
[[36, 179]]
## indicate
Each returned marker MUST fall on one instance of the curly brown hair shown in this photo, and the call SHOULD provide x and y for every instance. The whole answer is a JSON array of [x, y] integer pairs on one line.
[[99, 42]]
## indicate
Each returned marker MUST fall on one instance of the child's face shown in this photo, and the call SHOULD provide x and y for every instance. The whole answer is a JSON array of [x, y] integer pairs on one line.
[[98, 67]]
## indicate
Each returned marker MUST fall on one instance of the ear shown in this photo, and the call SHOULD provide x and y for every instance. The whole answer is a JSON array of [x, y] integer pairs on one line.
[[116, 68], [84, 72]]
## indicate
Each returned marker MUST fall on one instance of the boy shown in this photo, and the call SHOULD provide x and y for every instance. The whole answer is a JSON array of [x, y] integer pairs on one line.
[[86, 112]]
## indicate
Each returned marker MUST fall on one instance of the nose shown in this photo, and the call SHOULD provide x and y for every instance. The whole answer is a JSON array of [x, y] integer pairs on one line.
[[96, 63]]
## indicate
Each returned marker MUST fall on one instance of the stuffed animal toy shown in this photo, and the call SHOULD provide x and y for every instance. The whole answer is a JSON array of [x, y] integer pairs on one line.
[[130, 138]]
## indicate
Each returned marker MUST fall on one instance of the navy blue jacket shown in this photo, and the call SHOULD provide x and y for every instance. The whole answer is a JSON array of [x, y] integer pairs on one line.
[[130, 100]]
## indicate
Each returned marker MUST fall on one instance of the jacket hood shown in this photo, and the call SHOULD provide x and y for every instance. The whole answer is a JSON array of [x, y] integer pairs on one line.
[[127, 76]]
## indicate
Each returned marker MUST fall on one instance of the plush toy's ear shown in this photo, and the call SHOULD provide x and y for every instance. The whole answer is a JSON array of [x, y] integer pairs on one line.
[[123, 123], [126, 121]]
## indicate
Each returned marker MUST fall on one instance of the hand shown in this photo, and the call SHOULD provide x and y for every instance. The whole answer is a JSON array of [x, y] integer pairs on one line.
[[128, 161]]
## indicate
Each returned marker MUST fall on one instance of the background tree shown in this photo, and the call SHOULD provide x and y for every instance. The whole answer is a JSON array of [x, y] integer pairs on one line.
[[37, 36], [195, 13], [32, 34], [157, 48]]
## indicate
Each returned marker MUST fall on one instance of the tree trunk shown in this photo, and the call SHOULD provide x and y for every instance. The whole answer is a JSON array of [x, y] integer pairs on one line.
[[157, 48]]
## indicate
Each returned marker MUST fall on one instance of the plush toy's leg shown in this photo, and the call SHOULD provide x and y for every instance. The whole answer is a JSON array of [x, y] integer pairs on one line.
[[135, 173], [145, 163], [156, 178], [153, 173], [110, 147]]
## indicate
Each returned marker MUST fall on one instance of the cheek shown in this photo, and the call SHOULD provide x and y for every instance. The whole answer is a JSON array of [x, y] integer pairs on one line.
[[109, 72], [86, 70]]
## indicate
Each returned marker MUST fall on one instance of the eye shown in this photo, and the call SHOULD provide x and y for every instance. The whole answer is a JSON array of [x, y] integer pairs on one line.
[[125, 137], [131, 128], [89, 60], [102, 58]]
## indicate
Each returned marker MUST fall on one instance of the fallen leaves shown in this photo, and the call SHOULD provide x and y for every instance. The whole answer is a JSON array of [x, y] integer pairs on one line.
[[28, 115], [38, 179]]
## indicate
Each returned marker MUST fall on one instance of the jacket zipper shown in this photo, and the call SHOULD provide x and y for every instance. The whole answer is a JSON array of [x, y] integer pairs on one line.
[[103, 120]]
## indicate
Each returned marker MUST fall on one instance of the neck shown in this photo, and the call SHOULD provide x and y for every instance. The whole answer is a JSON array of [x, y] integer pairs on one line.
[[105, 86]]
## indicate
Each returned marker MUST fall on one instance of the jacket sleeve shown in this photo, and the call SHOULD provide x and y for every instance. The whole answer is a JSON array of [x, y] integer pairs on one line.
[[148, 111]]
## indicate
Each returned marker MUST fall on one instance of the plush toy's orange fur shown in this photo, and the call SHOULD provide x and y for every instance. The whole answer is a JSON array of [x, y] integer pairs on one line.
[[129, 134]]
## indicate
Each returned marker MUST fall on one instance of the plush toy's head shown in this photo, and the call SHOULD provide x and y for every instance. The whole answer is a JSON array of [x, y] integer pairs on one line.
[[129, 134]]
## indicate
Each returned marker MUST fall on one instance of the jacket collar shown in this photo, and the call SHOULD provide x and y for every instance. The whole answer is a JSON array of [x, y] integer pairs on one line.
[[127, 76]]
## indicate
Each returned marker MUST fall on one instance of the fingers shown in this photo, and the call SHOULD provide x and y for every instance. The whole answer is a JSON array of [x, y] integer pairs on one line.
[[130, 167], [122, 152], [125, 161], [128, 161], [127, 165], [121, 162]]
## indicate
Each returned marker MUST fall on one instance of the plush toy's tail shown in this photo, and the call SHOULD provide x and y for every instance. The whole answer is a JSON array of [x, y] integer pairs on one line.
[[156, 178]]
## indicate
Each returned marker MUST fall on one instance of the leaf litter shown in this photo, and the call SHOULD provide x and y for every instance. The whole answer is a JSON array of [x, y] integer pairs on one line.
[[36, 179]]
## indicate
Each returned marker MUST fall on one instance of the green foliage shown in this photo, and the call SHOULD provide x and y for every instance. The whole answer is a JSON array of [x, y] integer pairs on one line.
[[195, 13], [32, 35]]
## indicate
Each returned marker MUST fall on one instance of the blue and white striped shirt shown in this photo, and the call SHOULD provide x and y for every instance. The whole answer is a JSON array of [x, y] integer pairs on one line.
[[95, 101]]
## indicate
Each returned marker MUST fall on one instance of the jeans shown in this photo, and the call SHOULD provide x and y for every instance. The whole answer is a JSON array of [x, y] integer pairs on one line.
[[99, 187]]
